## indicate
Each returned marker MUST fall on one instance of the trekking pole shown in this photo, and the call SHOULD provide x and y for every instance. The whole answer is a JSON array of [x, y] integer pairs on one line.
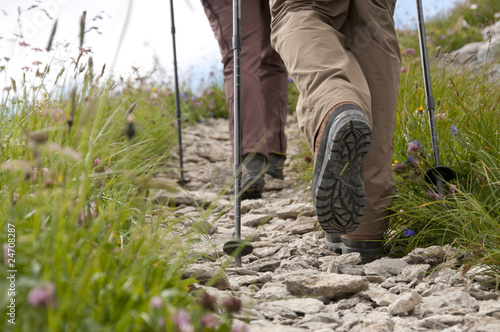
[[237, 246], [181, 181], [438, 173]]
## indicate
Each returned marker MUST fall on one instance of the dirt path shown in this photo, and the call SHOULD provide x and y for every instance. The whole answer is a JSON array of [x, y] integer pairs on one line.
[[291, 282]]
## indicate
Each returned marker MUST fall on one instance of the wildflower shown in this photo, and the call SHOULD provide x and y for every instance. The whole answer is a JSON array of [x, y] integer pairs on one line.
[[183, 96], [208, 321], [440, 115], [454, 131], [36, 63], [398, 167], [290, 80], [181, 320], [154, 89], [156, 302], [36, 49], [408, 232], [7, 88], [43, 296], [420, 109], [208, 301], [239, 327], [413, 148], [26, 68], [197, 104], [409, 52], [430, 193], [412, 161], [404, 69], [210, 92], [97, 161], [24, 44], [473, 6], [232, 304]]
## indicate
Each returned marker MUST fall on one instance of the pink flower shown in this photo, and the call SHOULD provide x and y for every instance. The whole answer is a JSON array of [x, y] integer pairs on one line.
[[156, 302], [413, 148], [409, 52], [208, 321], [36, 63], [24, 44], [239, 327], [36, 49], [181, 320], [26, 69], [404, 69], [43, 296], [398, 167], [97, 161]]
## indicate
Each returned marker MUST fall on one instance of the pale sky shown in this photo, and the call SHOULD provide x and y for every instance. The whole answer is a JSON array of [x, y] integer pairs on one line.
[[148, 34]]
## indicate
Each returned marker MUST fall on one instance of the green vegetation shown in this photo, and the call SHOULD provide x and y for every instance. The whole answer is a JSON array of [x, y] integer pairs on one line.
[[461, 26]]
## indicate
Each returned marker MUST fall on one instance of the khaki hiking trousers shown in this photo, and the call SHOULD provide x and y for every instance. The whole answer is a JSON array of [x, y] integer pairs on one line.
[[340, 51], [264, 79]]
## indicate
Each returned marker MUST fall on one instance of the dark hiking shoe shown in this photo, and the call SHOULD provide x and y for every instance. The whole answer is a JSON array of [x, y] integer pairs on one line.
[[334, 243], [252, 185], [275, 165], [337, 187], [253, 182], [369, 249]]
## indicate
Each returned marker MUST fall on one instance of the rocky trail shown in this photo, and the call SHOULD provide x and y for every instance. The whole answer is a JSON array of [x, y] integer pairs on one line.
[[291, 282]]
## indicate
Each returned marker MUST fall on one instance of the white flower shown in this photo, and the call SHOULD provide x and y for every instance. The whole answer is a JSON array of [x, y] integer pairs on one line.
[[473, 6]]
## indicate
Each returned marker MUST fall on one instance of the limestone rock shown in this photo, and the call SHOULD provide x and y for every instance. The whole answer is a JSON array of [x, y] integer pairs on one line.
[[404, 304], [385, 267], [330, 285]]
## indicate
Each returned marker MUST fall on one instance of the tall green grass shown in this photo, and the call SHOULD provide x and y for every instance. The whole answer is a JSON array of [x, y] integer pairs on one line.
[[92, 251]]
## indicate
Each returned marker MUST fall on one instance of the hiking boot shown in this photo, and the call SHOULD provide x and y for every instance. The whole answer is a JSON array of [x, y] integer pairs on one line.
[[275, 165], [369, 249], [341, 147], [334, 243], [253, 180]]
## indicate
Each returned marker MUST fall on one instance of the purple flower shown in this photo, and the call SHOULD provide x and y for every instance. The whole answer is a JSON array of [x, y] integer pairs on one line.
[[181, 320], [454, 131], [409, 232], [409, 52], [404, 69], [156, 302], [42, 296], [208, 321], [97, 161], [290, 80], [239, 327], [183, 96], [413, 148], [398, 167], [412, 161], [430, 193]]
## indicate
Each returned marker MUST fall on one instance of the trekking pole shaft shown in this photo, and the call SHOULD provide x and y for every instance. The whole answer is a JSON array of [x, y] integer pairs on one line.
[[427, 82], [177, 99], [237, 120]]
